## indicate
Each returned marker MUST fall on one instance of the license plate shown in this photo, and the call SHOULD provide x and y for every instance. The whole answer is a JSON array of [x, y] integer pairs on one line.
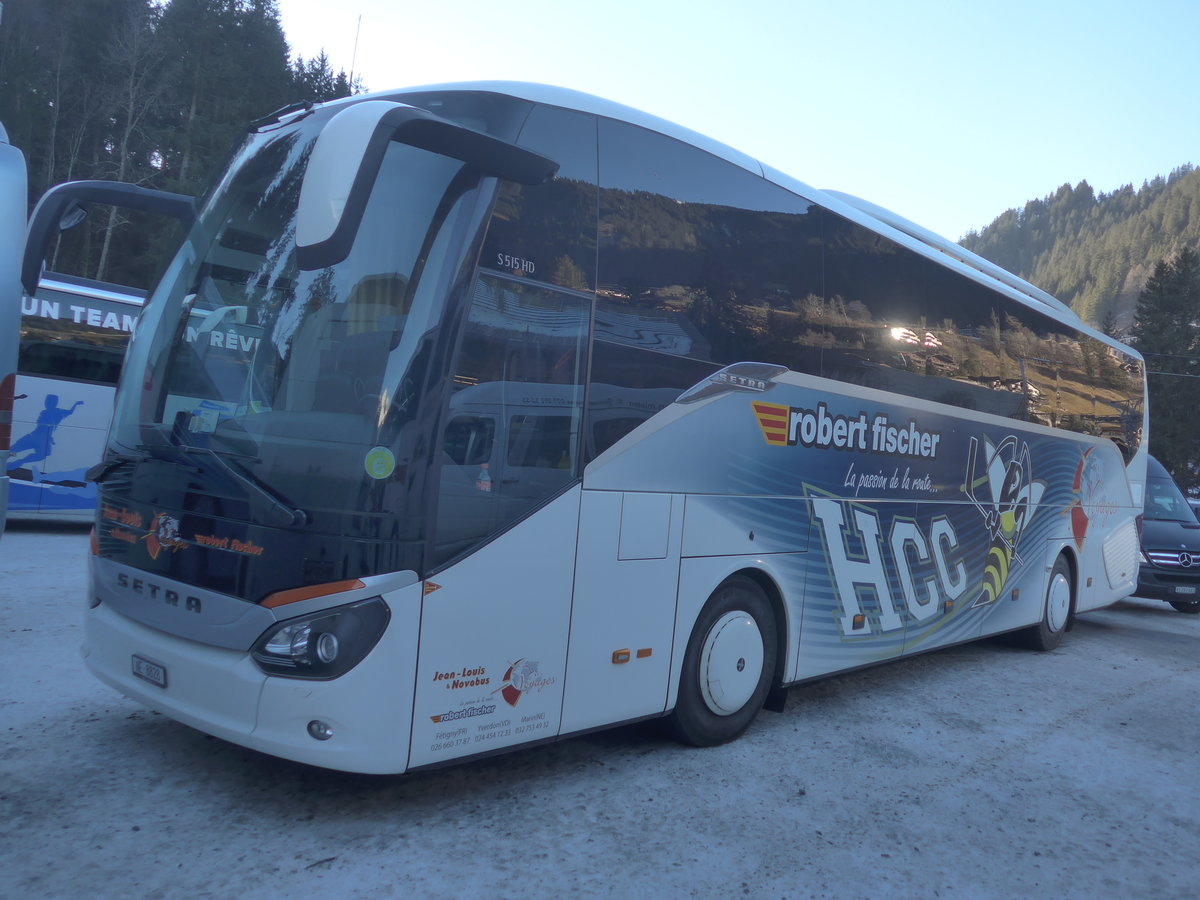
[[1180, 589], [149, 671]]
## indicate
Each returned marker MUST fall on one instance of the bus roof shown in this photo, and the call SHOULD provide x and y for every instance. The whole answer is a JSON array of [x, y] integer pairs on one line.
[[87, 287]]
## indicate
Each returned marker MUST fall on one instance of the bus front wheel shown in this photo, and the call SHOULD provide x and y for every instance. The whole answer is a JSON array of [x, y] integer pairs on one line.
[[728, 666], [1056, 611]]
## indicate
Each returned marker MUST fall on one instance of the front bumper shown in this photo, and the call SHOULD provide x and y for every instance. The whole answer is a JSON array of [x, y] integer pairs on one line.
[[223, 693], [1179, 585]]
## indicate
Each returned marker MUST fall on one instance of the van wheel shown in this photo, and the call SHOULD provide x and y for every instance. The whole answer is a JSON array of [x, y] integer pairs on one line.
[[1056, 610], [1186, 606], [728, 666]]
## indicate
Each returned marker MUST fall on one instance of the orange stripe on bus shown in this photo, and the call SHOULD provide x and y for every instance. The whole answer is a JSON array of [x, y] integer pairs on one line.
[[295, 595]]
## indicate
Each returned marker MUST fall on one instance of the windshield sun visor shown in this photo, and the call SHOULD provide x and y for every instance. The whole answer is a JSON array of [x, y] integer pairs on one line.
[[334, 192]]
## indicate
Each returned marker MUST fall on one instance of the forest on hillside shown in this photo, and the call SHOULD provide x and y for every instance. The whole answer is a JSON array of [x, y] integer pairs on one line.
[[1127, 262], [143, 91], [1093, 251]]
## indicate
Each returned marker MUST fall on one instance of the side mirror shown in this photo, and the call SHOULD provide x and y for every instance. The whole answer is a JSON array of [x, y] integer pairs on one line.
[[65, 206], [74, 215], [349, 152]]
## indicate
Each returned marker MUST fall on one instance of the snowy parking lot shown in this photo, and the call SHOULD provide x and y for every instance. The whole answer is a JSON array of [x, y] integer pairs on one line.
[[983, 770]]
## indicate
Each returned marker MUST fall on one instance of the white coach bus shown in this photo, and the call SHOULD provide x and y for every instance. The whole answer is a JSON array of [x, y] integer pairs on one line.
[[475, 416]]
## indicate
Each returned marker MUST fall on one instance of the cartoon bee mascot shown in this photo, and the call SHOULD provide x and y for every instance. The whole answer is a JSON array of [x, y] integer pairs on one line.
[[1013, 497]]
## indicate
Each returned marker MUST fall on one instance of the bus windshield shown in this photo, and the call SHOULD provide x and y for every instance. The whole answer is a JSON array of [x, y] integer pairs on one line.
[[295, 385], [1165, 502]]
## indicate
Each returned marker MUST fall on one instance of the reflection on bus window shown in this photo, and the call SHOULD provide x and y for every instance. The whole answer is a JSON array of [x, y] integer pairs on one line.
[[521, 370], [72, 336]]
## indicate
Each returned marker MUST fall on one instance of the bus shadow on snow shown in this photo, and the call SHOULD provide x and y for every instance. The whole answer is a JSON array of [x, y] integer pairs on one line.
[[158, 747]]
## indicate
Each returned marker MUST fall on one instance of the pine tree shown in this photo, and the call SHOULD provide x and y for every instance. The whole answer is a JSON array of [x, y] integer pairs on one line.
[[1167, 333], [231, 68], [1095, 251], [315, 80], [153, 92]]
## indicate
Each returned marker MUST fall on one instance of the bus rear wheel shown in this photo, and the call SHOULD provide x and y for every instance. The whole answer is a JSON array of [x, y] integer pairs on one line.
[[728, 666], [1056, 610]]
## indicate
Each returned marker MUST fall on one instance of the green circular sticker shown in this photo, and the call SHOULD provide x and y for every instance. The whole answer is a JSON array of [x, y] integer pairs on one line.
[[380, 463]]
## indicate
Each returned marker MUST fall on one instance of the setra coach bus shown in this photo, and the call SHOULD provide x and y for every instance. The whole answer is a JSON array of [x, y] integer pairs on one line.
[[475, 416]]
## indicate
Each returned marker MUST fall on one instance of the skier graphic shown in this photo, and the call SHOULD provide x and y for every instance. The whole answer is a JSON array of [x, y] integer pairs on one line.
[[39, 443]]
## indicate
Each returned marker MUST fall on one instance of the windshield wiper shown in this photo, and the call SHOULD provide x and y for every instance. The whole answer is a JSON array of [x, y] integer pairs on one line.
[[101, 471], [114, 462], [289, 513], [301, 106]]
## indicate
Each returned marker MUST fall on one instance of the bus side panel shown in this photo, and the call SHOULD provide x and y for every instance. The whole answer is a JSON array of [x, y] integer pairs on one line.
[[493, 647], [13, 207], [853, 608], [934, 553], [1110, 568], [925, 524], [1103, 529], [58, 432], [623, 613]]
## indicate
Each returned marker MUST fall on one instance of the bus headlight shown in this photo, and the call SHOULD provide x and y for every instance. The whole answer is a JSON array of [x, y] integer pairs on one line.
[[325, 644]]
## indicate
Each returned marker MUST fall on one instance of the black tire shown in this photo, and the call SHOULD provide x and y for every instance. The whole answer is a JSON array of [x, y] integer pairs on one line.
[[1056, 609], [710, 710], [1191, 607]]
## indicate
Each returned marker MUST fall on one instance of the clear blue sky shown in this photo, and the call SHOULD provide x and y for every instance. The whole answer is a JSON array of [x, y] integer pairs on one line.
[[946, 112]]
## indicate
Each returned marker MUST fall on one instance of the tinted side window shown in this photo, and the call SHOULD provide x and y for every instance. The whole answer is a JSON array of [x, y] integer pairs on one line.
[[66, 335], [1100, 392], [698, 258], [513, 433], [696, 248], [547, 232], [897, 321], [629, 385]]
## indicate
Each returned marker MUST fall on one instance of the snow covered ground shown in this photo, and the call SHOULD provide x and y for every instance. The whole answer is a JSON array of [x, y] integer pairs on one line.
[[983, 770]]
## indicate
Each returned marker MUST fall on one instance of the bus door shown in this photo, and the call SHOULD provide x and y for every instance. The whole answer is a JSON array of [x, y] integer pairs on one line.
[[497, 608], [539, 444]]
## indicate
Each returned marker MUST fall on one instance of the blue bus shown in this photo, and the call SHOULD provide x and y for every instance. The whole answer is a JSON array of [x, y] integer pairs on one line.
[[73, 335]]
